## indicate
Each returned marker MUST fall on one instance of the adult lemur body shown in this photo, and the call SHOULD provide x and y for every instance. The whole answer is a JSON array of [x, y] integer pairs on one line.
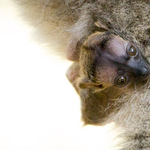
[[107, 41]]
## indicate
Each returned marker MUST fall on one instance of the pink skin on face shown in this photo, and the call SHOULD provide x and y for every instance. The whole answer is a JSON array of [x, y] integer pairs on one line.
[[118, 46]]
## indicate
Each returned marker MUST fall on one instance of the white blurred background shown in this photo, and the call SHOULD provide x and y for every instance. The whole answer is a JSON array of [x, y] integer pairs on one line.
[[39, 109]]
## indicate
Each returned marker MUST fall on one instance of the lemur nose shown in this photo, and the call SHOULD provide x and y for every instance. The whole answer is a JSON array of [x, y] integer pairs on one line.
[[145, 71]]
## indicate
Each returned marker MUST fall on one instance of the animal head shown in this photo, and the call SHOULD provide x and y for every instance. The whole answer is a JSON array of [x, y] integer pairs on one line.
[[107, 60]]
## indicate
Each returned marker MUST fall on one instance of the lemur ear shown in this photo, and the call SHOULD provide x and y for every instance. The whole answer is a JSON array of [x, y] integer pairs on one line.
[[75, 43], [86, 83], [101, 26]]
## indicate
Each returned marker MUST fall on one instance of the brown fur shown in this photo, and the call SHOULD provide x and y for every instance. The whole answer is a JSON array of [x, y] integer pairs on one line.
[[72, 22]]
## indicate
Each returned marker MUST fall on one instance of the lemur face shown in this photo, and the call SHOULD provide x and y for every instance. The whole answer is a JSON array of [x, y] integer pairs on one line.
[[116, 62]]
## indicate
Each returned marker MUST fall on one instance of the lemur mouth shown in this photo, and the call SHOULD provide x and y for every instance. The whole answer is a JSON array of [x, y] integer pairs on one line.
[[143, 76], [144, 72]]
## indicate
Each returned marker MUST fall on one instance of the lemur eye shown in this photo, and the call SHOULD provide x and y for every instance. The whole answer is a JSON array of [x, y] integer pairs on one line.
[[121, 81], [132, 50]]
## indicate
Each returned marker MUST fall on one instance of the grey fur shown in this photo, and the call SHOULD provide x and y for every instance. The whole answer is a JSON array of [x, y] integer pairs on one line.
[[72, 21]]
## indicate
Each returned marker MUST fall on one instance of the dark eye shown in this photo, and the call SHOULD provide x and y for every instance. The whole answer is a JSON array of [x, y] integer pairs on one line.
[[121, 81], [132, 51]]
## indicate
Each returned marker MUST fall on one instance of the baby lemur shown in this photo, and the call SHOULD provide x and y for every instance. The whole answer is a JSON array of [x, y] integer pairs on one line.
[[108, 66], [107, 41]]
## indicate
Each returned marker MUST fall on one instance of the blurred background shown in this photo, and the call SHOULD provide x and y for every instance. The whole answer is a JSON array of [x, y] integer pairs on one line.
[[39, 109]]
